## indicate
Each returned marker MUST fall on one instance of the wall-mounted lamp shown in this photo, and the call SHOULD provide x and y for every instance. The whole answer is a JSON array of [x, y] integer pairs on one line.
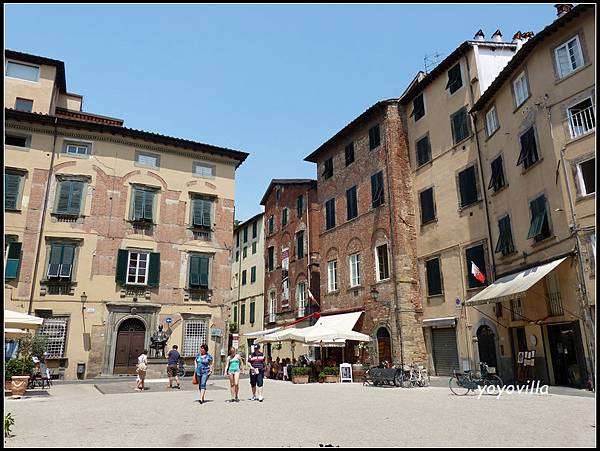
[[83, 300], [374, 294]]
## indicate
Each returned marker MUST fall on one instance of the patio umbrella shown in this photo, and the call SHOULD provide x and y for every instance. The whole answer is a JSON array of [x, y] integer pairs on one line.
[[18, 320]]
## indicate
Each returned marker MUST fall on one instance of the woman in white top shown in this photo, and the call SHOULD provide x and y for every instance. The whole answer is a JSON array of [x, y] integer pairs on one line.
[[141, 370]]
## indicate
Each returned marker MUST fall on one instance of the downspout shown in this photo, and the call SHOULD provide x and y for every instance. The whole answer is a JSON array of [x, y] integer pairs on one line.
[[43, 221]]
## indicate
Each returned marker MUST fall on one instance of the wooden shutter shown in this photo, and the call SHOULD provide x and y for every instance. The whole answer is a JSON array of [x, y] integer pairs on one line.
[[12, 183], [76, 197], [253, 274], [138, 204], [121, 274], [154, 270], [434, 280], [63, 197], [55, 260], [204, 267], [12, 261], [252, 312], [148, 205], [206, 213], [66, 266], [194, 274]]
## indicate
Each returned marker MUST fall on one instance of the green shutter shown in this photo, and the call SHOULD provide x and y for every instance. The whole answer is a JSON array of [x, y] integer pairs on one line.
[[243, 314], [235, 314], [63, 197], [204, 271], [12, 183], [206, 213], [252, 312], [138, 204], [55, 260], [194, 276], [154, 270], [197, 212], [121, 274], [66, 265], [538, 217], [148, 205], [12, 261], [75, 198], [253, 274]]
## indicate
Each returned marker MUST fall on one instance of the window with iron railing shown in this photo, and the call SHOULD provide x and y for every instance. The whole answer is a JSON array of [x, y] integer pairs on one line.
[[582, 118], [55, 331], [554, 299]]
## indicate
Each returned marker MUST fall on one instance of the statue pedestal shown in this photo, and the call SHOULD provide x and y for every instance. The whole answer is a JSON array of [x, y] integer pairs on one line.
[[156, 368]]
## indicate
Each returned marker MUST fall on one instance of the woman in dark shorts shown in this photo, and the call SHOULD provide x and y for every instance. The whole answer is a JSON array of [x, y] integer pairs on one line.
[[256, 362], [204, 368]]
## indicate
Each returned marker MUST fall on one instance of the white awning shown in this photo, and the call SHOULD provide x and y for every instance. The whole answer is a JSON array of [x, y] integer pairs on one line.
[[440, 322], [18, 320], [260, 333], [15, 333], [509, 286]]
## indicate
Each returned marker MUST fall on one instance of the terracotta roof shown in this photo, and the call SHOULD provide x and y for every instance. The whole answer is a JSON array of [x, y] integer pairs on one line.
[[61, 79], [365, 115], [127, 132], [524, 52], [275, 182], [89, 117]]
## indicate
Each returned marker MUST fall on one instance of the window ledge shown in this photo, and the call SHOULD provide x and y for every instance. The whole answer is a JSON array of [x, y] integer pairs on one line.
[[84, 157], [12, 210], [466, 207], [511, 254], [462, 141], [334, 292], [431, 221], [581, 198], [571, 140], [542, 241], [518, 107], [427, 164], [495, 193], [537, 163], [431, 297], [559, 80], [19, 148], [357, 287], [488, 137]]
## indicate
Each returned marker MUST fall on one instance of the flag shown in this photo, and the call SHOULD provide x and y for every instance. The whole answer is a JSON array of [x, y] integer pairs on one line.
[[477, 273], [311, 297]]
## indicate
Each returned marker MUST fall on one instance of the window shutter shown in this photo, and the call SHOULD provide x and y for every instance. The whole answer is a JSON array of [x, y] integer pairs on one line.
[[55, 260], [12, 183], [76, 197], [204, 272], [138, 204], [427, 210], [206, 213], [63, 197], [252, 312], [148, 204], [194, 274], [154, 270], [434, 283], [121, 274], [66, 266], [197, 213], [12, 261]]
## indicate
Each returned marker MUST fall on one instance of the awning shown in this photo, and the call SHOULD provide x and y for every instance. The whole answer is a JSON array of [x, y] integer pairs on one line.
[[260, 333], [509, 286], [15, 333], [18, 320], [448, 321]]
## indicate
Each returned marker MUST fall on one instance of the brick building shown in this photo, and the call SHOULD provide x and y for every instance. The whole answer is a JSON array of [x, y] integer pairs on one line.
[[292, 223], [109, 230], [367, 234]]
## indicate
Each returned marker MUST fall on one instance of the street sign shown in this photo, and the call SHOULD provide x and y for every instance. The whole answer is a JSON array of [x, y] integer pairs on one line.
[[214, 332], [236, 341], [169, 320], [458, 303]]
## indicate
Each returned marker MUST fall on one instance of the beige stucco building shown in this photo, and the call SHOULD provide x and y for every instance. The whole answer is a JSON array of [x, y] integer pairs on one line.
[[110, 231]]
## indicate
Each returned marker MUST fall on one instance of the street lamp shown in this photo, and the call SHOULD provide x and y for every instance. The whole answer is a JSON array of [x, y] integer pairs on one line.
[[374, 294], [83, 300]]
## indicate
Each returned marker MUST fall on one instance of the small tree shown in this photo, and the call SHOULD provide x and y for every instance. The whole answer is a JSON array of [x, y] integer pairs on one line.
[[32, 345]]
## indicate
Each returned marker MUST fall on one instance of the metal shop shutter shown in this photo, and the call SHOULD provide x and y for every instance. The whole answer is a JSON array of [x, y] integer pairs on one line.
[[445, 354]]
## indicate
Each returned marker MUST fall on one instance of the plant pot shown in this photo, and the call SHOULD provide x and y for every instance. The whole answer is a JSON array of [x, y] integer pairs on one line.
[[19, 385], [303, 379], [331, 378], [358, 373]]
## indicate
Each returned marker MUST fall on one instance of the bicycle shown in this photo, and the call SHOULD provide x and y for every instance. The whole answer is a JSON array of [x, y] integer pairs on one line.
[[462, 383], [418, 376]]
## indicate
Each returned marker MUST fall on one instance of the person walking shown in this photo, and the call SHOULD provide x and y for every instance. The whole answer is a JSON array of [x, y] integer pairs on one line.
[[141, 370], [233, 369], [203, 368], [256, 364], [172, 360]]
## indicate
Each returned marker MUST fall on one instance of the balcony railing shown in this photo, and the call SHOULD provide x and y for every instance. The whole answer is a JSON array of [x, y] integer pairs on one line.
[[582, 122]]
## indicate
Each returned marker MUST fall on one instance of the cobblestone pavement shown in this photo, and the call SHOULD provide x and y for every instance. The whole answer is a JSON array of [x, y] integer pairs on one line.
[[342, 415]]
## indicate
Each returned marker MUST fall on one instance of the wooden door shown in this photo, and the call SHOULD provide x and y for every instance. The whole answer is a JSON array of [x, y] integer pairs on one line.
[[131, 340]]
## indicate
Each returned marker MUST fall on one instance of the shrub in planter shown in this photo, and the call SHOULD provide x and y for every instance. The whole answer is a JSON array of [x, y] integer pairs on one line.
[[331, 371], [18, 367], [300, 375], [9, 421]]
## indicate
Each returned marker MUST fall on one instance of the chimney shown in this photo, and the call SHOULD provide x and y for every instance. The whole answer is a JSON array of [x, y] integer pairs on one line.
[[497, 36], [563, 8], [479, 36], [518, 39]]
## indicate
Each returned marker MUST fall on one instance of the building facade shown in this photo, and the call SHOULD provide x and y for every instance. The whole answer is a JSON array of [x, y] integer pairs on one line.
[[367, 235], [110, 231]]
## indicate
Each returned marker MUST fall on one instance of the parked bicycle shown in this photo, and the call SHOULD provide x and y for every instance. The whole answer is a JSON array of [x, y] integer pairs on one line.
[[180, 367], [406, 377], [462, 383], [417, 376]]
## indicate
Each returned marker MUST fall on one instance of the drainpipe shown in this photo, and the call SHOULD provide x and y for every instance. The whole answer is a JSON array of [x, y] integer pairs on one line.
[[43, 221]]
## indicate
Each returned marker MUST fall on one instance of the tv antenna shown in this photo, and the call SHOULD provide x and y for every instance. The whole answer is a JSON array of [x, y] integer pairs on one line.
[[431, 60]]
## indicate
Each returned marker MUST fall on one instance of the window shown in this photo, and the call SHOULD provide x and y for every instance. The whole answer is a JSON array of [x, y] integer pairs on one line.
[[70, 197], [529, 153], [243, 314], [60, 263], [13, 260], [349, 154], [418, 108], [434, 277], [332, 283], [586, 176], [300, 245], [244, 277], [374, 137], [202, 212], [568, 57], [427, 206], [454, 79], [582, 118], [253, 248], [78, 149], [301, 298], [328, 168], [252, 312], [521, 89], [467, 182], [271, 224], [237, 239], [12, 189], [254, 230], [516, 309], [476, 254], [203, 170], [195, 335], [22, 71], [423, 151], [199, 271], [460, 125], [284, 216], [354, 270], [382, 262], [143, 204], [278, 193], [245, 252], [498, 309], [252, 277], [235, 314], [23, 104], [497, 180], [300, 206], [505, 243], [591, 241], [554, 298], [246, 234], [237, 256], [351, 203], [137, 268], [272, 306], [55, 331], [146, 159], [377, 197], [16, 140], [539, 228], [330, 214], [271, 258], [491, 121]]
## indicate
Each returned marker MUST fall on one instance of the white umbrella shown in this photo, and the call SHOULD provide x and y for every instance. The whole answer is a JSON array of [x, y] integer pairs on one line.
[[18, 320]]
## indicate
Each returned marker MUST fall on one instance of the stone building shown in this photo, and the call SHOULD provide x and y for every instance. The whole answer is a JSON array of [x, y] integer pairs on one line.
[[110, 231]]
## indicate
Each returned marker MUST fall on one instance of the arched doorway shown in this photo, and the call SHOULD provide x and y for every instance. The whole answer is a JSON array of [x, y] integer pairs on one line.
[[384, 345], [131, 340], [486, 342]]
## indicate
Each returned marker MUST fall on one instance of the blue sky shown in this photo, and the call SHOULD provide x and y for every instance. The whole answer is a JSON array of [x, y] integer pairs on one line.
[[272, 80]]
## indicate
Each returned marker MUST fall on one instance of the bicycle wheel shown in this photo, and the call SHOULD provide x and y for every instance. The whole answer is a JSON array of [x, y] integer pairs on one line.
[[399, 379], [457, 388], [493, 380]]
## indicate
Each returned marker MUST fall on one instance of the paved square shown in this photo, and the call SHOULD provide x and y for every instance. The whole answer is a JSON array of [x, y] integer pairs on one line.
[[296, 415]]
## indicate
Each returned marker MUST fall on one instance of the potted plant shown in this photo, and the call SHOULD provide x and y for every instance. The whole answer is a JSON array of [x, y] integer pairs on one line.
[[321, 377], [331, 374], [18, 371], [300, 374]]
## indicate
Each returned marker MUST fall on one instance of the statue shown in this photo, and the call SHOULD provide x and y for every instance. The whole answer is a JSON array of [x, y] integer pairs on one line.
[[158, 341]]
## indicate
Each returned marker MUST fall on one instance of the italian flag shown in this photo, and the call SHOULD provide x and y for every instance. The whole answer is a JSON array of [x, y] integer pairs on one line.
[[477, 273]]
